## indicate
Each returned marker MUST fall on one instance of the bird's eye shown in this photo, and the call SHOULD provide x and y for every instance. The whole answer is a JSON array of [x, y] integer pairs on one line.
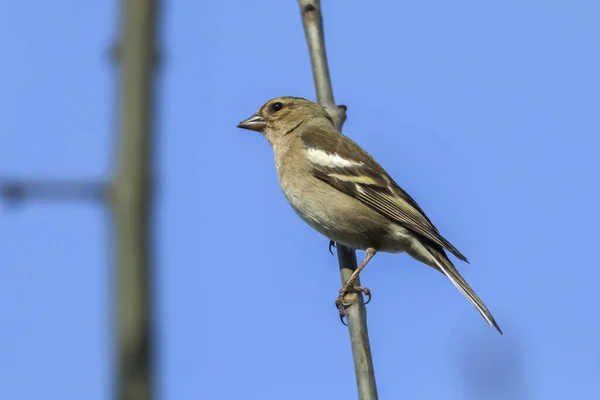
[[277, 106]]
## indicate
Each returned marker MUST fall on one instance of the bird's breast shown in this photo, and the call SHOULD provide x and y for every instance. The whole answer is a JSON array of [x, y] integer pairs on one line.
[[334, 214]]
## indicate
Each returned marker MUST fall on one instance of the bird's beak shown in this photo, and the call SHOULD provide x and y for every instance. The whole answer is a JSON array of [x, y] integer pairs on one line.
[[254, 123]]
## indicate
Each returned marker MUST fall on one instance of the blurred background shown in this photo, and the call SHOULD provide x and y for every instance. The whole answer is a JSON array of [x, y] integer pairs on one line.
[[487, 114]]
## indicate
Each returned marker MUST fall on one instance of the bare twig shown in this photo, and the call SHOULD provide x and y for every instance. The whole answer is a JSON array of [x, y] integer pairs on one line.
[[356, 313], [313, 27], [131, 200], [61, 190]]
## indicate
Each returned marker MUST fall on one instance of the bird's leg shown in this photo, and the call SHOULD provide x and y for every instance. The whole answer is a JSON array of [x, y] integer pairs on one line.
[[350, 284], [331, 244]]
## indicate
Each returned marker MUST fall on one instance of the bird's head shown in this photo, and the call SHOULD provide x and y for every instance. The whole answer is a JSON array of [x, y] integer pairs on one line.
[[283, 115]]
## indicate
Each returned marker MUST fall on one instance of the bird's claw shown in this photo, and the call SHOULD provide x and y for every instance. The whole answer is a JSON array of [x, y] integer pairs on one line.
[[341, 304], [331, 244], [366, 291]]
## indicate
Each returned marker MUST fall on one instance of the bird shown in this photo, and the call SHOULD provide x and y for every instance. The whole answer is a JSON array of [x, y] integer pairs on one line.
[[342, 192]]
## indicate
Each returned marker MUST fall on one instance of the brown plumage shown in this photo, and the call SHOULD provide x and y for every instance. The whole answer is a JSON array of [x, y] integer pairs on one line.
[[342, 192]]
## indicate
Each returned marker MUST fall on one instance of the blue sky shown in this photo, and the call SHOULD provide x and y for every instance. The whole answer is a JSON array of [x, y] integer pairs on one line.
[[487, 114]]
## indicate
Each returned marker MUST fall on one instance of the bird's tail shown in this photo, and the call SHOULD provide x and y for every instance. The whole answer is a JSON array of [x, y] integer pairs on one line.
[[447, 268]]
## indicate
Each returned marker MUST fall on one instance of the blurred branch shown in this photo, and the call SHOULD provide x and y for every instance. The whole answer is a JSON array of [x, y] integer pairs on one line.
[[17, 191], [356, 313], [129, 195], [131, 200]]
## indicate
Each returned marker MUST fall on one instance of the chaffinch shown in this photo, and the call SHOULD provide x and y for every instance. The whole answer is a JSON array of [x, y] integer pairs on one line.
[[342, 192]]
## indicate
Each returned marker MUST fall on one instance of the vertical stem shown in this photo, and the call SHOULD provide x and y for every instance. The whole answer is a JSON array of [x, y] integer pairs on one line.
[[356, 313], [131, 200]]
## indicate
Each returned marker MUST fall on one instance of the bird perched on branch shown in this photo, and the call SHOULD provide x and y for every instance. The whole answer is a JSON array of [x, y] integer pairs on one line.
[[342, 192]]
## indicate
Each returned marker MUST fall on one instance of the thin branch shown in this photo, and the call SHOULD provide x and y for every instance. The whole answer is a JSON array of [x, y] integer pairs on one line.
[[312, 20], [356, 313]]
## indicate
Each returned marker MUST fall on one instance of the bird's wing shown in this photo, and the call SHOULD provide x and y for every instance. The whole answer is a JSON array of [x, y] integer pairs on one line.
[[345, 166]]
